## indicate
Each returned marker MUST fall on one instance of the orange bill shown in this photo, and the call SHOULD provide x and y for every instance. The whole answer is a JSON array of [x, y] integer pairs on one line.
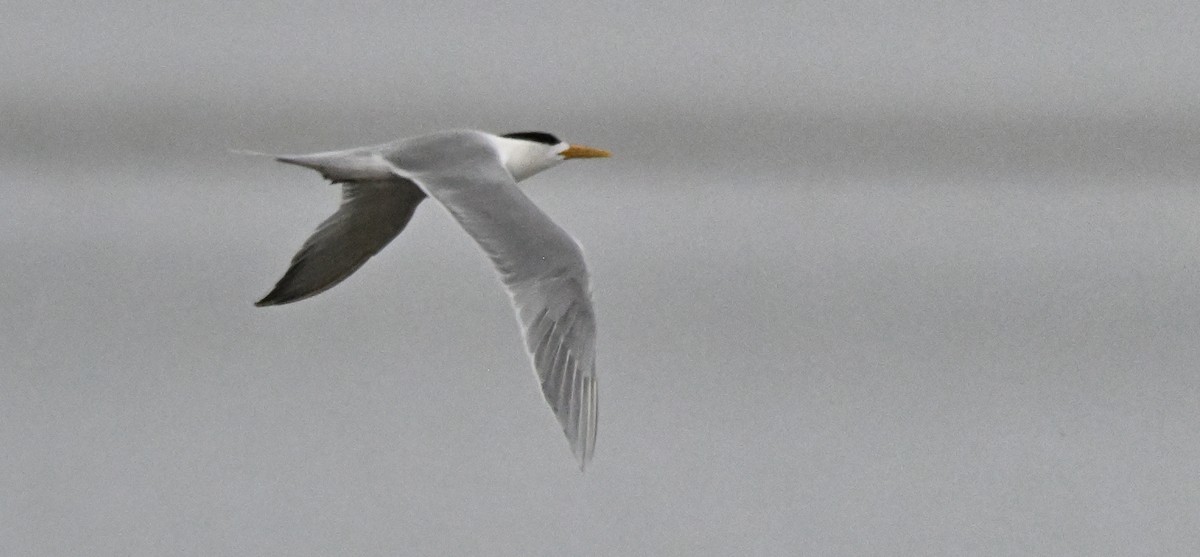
[[584, 152]]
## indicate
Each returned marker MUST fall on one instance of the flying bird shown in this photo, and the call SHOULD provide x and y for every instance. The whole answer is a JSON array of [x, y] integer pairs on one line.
[[473, 175]]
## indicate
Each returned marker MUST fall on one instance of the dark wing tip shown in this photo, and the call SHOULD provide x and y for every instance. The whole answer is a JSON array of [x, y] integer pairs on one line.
[[274, 298], [288, 290]]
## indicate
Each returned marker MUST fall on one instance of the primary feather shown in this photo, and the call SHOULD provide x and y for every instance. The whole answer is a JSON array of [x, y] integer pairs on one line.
[[473, 176]]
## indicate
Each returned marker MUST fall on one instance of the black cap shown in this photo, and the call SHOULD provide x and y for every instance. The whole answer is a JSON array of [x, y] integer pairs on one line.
[[539, 137]]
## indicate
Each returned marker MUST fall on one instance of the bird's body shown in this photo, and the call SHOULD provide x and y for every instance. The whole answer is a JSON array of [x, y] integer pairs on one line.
[[473, 175]]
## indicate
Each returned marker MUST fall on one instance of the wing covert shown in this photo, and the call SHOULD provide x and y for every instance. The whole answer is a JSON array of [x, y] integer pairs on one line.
[[543, 269]]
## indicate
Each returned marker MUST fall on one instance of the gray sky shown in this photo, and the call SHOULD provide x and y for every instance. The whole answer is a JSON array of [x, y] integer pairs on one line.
[[897, 87], [870, 280], [1089, 57]]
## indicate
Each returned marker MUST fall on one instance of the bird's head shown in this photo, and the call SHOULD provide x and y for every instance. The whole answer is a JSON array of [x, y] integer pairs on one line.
[[527, 153]]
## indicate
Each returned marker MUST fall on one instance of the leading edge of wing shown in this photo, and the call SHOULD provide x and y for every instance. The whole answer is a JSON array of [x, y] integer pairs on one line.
[[543, 269]]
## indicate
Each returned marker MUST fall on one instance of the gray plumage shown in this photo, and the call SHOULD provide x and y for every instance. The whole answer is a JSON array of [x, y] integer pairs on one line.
[[473, 175]]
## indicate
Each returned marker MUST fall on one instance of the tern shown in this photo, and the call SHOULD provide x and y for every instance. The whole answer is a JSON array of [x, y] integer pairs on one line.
[[473, 175]]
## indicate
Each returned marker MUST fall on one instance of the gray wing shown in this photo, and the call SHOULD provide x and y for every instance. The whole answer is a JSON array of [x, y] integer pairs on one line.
[[543, 270], [371, 214]]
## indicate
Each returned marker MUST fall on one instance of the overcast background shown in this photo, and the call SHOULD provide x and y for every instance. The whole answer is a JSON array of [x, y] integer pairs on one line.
[[872, 278]]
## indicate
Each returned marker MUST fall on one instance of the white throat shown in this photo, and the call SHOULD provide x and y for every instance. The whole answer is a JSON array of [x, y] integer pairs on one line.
[[525, 158]]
